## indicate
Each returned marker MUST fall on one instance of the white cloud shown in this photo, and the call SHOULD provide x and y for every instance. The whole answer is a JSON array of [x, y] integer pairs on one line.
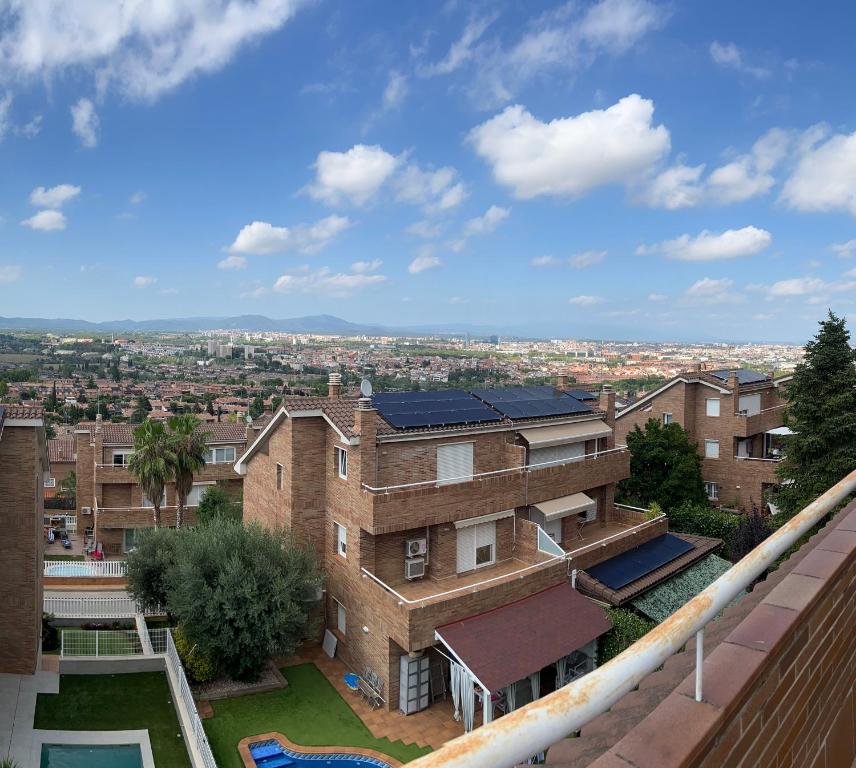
[[232, 262], [10, 273], [46, 221], [355, 175], [168, 291], [32, 129], [255, 293], [427, 230], [676, 187], [587, 259], [396, 91], [365, 267], [435, 190], [459, 300], [137, 198], [5, 108], [544, 261], [144, 281], [143, 48], [54, 197], [844, 250], [422, 263], [824, 178], [481, 225], [657, 297], [570, 156], [708, 287], [263, 239], [729, 55], [710, 246], [585, 301], [85, 122], [325, 281], [461, 50]]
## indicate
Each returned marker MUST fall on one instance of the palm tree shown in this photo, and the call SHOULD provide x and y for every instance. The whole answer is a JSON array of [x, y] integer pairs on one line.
[[153, 462], [190, 451]]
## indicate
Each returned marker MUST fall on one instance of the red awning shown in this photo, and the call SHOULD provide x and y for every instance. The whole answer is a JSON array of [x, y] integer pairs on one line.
[[511, 642]]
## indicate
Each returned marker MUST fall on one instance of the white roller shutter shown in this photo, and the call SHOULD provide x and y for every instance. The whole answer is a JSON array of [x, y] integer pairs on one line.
[[454, 463], [557, 453], [749, 403], [467, 548]]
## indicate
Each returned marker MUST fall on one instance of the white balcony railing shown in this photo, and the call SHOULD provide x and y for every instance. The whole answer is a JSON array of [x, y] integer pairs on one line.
[[85, 568], [495, 472], [94, 607], [512, 739]]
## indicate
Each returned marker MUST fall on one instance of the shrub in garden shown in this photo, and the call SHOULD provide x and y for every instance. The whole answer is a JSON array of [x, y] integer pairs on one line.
[[199, 666], [627, 627]]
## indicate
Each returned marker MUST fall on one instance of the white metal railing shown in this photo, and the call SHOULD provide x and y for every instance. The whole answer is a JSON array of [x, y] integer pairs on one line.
[[494, 473], [535, 727], [68, 521], [94, 607], [771, 459], [100, 642], [747, 413], [631, 531], [86, 568], [197, 732]]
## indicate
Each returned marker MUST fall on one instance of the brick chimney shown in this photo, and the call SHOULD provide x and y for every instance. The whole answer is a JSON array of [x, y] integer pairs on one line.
[[562, 380], [365, 425], [334, 386], [607, 403], [97, 423], [734, 386]]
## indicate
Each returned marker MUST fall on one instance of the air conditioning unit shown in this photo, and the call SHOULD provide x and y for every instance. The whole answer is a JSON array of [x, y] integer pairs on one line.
[[414, 567], [416, 547], [86, 510]]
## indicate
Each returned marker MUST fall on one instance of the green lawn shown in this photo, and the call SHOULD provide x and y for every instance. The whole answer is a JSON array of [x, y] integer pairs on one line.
[[82, 642], [309, 711], [117, 703]]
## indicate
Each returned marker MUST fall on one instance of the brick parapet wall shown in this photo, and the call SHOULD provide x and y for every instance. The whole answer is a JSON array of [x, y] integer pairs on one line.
[[779, 679]]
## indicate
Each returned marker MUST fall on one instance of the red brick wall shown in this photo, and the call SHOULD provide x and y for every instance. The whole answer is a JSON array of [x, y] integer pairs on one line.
[[21, 549]]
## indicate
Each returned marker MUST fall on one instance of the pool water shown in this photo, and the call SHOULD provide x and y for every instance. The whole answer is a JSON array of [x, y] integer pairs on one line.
[[68, 569], [271, 754], [85, 756]]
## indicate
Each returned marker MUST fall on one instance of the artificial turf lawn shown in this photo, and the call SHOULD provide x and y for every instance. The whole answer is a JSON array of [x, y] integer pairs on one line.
[[117, 703], [309, 711]]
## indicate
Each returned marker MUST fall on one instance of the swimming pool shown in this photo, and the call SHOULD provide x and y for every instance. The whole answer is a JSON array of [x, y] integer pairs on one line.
[[91, 756], [69, 569], [271, 754]]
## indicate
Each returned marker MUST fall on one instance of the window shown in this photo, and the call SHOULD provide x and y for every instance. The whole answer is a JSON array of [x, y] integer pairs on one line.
[[559, 454], [341, 540], [711, 449], [279, 477], [50, 482], [476, 546], [454, 463], [129, 539], [667, 418], [340, 616], [712, 490], [222, 455], [120, 458], [749, 404], [196, 493], [341, 462], [712, 406], [147, 502]]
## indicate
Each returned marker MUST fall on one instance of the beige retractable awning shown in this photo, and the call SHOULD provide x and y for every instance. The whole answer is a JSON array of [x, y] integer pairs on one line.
[[566, 505], [547, 437]]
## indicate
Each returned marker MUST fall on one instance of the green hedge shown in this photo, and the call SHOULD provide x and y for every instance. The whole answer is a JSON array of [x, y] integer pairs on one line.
[[702, 520], [627, 627]]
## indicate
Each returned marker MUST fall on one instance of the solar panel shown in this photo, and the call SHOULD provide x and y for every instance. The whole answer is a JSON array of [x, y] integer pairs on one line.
[[407, 410], [581, 394], [531, 402], [619, 571], [744, 376]]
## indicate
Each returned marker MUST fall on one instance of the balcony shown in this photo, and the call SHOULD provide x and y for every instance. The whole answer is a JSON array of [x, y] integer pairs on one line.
[[747, 425], [400, 507], [139, 517], [110, 473]]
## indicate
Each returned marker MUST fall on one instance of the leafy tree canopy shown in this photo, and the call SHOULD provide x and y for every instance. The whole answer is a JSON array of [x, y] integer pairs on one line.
[[822, 413], [217, 502], [665, 467]]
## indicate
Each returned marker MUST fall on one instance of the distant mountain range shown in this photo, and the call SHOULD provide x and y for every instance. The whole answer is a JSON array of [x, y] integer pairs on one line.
[[256, 323]]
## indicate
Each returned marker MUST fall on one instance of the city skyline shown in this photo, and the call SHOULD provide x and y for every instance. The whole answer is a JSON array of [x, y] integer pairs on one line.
[[487, 165]]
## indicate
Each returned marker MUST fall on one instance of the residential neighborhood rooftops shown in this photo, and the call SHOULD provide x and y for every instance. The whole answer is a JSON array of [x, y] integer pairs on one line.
[[10, 412], [123, 434], [61, 449]]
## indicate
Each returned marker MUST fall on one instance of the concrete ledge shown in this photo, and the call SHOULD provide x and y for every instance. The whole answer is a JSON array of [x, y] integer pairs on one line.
[[110, 665]]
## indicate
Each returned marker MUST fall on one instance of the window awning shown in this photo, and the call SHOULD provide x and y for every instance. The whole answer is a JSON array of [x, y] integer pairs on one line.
[[484, 518], [780, 431], [566, 505], [504, 645], [547, 437]]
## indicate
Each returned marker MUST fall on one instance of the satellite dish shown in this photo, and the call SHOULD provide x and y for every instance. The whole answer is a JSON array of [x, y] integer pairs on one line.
[[366, 388]]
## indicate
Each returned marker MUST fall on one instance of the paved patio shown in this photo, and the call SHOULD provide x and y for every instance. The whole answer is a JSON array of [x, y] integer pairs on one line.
[[17, 712], [431, 727]]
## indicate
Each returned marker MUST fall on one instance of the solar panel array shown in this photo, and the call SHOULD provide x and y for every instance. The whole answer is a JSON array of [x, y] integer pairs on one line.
[[744, 376], [581, 394], [531, 402], [621, 570], [406, 410]]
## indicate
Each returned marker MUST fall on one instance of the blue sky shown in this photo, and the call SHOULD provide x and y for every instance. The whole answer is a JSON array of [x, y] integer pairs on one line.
[[616, 169]]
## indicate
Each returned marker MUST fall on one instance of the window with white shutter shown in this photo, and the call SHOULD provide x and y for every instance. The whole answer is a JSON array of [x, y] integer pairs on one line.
[[454, 463], [711, 449], [711, 406], [196, 494], [749, 404], [476, 546], [557, 454]]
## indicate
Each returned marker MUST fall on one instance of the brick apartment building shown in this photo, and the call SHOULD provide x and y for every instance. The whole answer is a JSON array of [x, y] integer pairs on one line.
[[449, 525], [735, 417], [23, 468], [108, 496]]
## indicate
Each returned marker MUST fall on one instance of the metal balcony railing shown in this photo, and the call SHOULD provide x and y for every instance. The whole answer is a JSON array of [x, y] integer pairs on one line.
[[512, 739]]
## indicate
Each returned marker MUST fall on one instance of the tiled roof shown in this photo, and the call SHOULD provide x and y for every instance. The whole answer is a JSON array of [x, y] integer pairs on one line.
[[589, 585], [23, 412], [123, 434], [61, 449]]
